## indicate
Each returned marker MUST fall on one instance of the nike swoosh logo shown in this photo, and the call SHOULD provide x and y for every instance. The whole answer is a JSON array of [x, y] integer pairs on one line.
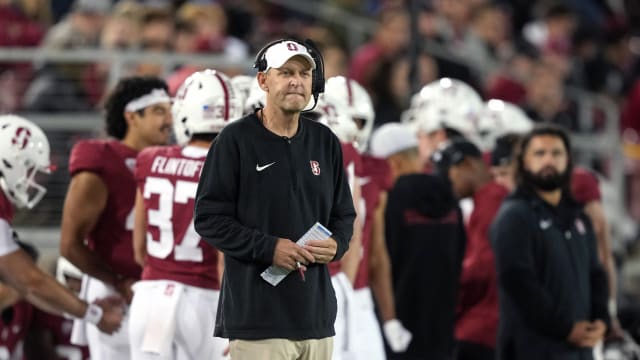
[[545, 224], [260, 168]]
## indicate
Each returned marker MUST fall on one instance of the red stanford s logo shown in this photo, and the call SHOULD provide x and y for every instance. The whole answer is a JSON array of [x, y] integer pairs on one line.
[[315, 167], [21, 138]]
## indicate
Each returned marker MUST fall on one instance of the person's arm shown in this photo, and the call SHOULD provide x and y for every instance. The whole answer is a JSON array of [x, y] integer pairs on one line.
[[512, 240], [351, 259], [8, 296], [343, 213], [380, 265], [601, 230], [215, 207], [381, 284], [140, 231], [86, 199], [43, 291], [220, 266], [598, 279]]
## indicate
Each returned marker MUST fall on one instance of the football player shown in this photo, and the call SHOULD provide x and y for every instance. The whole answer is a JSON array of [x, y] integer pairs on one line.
[[373, 274], [441, 110], [24, 153], [99, 201], [343, 273], [54, 331], [174, 307]]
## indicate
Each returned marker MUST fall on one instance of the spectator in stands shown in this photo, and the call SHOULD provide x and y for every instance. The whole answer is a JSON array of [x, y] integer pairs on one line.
[[454, 19], [210, 22], [156, 35], [486, 44], [23, 25], [81, 27], [545, 99], [392, 87], [186, 37], [390, 39], [509, 83], [552, 33], [60, 86], [121, 32]]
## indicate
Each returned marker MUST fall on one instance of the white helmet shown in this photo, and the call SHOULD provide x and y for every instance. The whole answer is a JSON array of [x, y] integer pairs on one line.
[[242, 85], [257, 97], [24, 151], [499, 118], [347, 94], [337, 118], [446, 103], [64, 269], [205, 103]]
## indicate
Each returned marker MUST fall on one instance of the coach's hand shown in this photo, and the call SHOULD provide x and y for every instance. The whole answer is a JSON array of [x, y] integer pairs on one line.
[[287, 253], [323, 250]]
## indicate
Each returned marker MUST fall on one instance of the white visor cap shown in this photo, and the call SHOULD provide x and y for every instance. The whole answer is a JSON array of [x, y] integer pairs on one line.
[[392, 138], [280, 53]]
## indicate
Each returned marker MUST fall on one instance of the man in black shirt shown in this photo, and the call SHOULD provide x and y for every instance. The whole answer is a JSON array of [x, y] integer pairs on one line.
[[268, 178], [552, 289], [425, 238]]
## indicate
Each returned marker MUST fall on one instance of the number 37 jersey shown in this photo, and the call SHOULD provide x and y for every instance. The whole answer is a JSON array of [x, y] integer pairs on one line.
[[167, 177]]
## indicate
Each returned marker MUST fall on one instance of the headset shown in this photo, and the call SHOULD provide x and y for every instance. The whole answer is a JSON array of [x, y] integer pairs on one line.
[[317, 76]]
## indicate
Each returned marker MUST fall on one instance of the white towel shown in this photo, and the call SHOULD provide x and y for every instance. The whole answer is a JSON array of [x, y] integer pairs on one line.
[[79, 329]]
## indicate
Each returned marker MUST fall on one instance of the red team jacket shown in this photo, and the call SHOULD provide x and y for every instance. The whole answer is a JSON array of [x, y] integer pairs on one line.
[[111, 237], [477, 311], [168, 177]]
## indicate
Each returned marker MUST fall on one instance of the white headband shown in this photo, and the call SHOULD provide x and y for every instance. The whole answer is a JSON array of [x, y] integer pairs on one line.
[[156, 96]]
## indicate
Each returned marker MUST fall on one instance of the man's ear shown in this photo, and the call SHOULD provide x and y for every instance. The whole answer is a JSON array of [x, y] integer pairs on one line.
[[262, 81], [129, 117]]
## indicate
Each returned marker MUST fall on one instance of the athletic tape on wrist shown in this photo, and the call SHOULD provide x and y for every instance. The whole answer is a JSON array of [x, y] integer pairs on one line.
[[93, 314]]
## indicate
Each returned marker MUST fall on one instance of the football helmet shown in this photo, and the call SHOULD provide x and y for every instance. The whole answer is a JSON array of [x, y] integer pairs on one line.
[[205, 103], [337, 118], [347, 94], [24, 151], [499, 118], [257, 97], [242, 85], [446, 103]]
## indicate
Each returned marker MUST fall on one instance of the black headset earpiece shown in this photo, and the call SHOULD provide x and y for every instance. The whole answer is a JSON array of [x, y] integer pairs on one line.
[[260, 63], [318, 74]]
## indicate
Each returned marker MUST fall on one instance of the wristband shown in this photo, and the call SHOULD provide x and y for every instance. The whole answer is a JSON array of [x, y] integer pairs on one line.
[[93, 314], [613, 308]]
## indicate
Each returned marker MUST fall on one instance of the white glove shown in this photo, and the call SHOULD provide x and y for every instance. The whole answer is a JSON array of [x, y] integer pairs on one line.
[[397, 336]]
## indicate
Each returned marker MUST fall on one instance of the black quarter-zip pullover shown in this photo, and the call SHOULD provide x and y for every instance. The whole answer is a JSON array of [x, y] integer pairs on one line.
[[255, 187]]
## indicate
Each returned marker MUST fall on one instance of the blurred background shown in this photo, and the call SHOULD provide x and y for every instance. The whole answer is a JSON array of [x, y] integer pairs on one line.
[[572, 62]]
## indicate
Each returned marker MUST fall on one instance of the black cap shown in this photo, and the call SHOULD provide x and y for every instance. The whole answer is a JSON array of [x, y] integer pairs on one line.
[[452, 153], [503, 152]]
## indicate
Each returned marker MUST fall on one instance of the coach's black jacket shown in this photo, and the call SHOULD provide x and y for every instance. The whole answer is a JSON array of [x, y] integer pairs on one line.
[[257, 186], [549, 277], [426, 240]]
